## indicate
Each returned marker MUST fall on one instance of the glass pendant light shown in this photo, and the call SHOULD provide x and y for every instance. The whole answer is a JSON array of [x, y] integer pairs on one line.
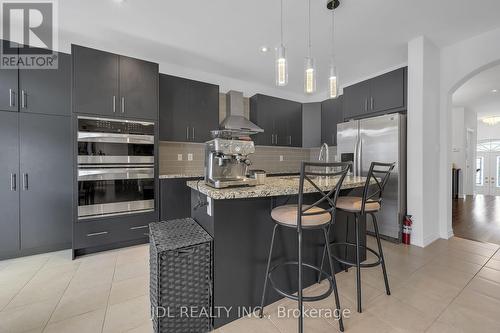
[[281, 65], [333, 78], [309, 68]]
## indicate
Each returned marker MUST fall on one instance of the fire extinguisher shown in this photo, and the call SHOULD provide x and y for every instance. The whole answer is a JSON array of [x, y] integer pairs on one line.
[[407, 223]]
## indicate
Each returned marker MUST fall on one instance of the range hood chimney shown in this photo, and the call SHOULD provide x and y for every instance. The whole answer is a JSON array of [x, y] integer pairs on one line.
[[235, 120]]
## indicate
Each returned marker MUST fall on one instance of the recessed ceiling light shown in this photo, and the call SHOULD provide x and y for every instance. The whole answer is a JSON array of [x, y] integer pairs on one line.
[[119, 1], [264, 49], [494, 91]]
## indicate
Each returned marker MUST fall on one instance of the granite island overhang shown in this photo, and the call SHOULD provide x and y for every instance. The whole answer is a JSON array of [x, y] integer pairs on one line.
[[239, 220]]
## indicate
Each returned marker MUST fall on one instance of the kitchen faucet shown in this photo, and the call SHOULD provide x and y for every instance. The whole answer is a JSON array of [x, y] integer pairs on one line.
[[324, 151]]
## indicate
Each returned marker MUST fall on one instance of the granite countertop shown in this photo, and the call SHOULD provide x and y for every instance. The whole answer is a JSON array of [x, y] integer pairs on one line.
[[180, 175], [274, 186], [201, 175]]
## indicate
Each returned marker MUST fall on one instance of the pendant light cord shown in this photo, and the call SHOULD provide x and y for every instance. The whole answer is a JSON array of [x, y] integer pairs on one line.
[[281, 13], [333, 33], [309, 24]]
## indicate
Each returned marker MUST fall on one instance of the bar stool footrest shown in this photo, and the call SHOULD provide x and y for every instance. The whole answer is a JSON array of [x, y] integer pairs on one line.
[[350, 263], [296, 297]]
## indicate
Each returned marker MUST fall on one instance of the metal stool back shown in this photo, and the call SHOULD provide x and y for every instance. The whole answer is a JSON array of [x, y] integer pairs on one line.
[[333, 171], [373, 192]]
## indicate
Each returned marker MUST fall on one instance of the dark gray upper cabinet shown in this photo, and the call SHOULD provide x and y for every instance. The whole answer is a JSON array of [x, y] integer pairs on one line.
[[9, 183], [280, 119], [311, 125], [111, 85], [204, 110], [382, 94], [356, 100], [189, 109], [138, 88], [174, 108], [8, 88], [388, 91], [265, 120], [331, 115], [47, 91], [45, 181], [95, 81]]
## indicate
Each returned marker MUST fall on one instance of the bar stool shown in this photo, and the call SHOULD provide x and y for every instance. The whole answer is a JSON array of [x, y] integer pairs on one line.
[[370, 203], [308, 217]]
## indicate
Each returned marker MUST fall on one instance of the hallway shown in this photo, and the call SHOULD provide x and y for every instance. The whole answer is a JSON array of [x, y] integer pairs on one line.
[[477, 218]]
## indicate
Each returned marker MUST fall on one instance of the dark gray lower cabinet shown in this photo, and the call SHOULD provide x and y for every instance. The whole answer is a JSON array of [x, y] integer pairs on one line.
[[46, 178], [9, 180], [175, 198], [35, 183]]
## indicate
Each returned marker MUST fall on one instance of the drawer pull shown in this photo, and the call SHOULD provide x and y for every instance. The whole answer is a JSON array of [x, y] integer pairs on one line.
[[140, 227], [97, 234], [185, 252]]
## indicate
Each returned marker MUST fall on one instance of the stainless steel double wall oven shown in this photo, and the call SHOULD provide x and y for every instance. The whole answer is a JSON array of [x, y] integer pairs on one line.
[[116, 169]]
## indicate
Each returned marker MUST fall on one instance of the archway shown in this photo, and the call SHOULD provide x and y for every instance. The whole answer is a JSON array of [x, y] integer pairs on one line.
[[446, 218]]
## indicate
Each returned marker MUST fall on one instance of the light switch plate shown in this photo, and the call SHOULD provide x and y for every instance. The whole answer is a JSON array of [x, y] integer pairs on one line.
[[190, 157], [281, 158], [179, 157]]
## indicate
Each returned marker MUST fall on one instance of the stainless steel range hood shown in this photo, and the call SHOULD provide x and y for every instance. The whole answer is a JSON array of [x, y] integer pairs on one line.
[[235, 120]]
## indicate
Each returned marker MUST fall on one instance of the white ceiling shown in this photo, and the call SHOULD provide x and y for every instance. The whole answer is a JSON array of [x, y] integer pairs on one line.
[[476, 94], [223, 37]]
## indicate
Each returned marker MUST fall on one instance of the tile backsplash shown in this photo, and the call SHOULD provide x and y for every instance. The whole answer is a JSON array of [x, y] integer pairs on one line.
[[265, 158]]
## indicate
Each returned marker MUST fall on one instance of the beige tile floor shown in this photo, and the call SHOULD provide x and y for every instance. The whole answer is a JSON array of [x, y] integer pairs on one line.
[[451, 286]]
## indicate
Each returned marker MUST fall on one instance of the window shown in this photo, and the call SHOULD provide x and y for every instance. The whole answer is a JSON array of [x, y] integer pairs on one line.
[[479, 171]]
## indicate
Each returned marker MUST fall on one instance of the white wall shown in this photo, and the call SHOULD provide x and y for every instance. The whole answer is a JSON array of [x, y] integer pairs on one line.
[[458, 137], [423, 139], [462, 153], [459, 62], [470, 124]]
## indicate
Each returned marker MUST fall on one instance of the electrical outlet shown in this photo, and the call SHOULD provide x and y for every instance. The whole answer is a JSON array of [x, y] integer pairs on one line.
[[190, 157], [281, 158], [179, 157]]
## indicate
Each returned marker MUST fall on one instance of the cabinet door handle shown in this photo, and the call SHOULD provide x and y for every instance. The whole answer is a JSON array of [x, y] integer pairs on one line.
[[372, 102], [114, 104], [123, 104], [13, 182], [366, 104], [193, 133], [25, 181], [139, 227], [12, 99], [187, 133], [97, 234], [290, 140], [23, 99]]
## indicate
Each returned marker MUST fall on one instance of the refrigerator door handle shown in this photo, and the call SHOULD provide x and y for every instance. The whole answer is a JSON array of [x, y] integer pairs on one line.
[[355, 162], [360, 152]]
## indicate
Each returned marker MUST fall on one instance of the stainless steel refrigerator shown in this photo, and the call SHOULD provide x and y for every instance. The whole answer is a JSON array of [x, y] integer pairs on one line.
[[379, 139]]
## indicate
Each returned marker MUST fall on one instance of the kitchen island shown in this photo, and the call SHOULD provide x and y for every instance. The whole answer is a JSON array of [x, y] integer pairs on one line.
[[239, 220]]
